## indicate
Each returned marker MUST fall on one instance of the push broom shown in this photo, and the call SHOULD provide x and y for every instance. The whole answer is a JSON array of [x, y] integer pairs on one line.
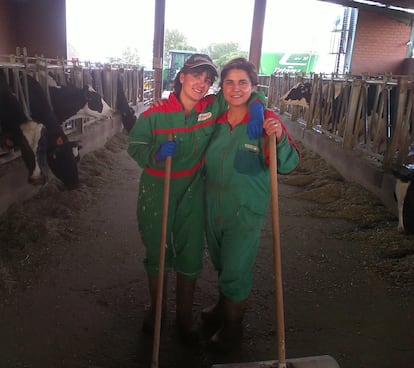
[[163, 242], [321, 361]]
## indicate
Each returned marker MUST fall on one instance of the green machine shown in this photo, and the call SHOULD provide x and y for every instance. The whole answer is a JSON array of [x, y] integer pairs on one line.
[[286, 62], [175, 62]]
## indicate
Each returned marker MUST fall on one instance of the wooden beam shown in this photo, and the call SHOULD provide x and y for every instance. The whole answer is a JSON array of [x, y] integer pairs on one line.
[[158, 50], [257, 32], [384, 10]]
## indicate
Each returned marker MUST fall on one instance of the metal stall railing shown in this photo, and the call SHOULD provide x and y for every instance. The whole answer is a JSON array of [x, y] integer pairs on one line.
[[372, 114], [137, 83]]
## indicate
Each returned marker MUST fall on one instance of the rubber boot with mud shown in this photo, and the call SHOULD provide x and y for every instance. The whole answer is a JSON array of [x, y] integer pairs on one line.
[[149, 320], [213, 315], [229, 335], [184, 310]]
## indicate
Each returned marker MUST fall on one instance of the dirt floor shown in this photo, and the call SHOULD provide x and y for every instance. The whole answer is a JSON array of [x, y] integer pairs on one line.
[[73, 290]]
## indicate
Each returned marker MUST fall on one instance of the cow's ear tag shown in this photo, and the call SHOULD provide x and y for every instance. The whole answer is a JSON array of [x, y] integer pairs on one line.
[[59, 140]]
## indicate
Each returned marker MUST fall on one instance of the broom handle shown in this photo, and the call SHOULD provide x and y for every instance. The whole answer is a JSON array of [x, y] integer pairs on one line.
[[277, 254], [163, 242]]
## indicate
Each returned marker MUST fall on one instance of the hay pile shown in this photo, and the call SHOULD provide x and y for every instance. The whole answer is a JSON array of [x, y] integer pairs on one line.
[[29, 229], [388, 252]]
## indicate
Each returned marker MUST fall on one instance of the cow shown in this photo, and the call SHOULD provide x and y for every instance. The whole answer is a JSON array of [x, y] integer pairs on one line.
[[62, 154], [20, 130], [334, 97], [299, 95], [128, 116], [404, 195], [70, 102], [44, 136]]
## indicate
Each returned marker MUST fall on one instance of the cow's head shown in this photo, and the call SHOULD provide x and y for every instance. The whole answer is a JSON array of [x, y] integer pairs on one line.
[[300, 95], [59, 151], [32, 144], [128, 119], [19, 130], [95, 104], [128, 116], [62, 158]]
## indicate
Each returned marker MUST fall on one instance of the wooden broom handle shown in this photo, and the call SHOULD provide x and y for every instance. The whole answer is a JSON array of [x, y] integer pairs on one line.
[[277, 254], [163, 243]]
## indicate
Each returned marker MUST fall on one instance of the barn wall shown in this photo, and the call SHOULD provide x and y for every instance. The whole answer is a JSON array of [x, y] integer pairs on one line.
[[41, 27], [8, 35], [380, 44]]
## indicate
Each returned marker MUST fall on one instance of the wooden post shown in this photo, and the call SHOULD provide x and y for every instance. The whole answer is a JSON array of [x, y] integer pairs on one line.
[[157, 62], [257, 32], [351, 115]]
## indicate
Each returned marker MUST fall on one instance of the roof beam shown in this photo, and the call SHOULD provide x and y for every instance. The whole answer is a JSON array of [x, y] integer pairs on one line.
[[401, 15]]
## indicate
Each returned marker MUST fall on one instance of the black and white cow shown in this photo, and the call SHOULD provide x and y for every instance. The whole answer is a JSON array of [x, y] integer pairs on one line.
[[128, 116], [62, 154], [372, 108], [299, 95], [73, 102], [41, 138], [23, 132], [404, 194]]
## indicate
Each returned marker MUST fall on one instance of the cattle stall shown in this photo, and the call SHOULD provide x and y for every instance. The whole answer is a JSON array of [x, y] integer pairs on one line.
[[370, 114], [92, 131], [137, 84], [361, 125]]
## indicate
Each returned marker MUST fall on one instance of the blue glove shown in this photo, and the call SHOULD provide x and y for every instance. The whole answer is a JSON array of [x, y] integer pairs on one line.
[[166, 149], [255, 124]]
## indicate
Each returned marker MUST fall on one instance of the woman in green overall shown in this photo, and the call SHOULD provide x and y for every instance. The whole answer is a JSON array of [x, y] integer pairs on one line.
[[237, 198], [189, 116]]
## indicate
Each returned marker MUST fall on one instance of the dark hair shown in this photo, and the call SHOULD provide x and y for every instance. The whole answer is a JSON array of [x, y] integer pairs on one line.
[[242, 64]]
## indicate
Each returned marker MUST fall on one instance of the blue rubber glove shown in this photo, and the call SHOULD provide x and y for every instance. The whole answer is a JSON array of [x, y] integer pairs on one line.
[[166, 149], [255, 124]]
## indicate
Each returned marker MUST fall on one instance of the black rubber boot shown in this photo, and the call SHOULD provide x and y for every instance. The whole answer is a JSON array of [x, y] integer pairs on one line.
[[229, 335], [184, 310], [149, 320], [213, 315]]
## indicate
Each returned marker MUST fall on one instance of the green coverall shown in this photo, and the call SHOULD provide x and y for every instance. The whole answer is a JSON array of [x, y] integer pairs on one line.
[[185, 229], [237, 199]]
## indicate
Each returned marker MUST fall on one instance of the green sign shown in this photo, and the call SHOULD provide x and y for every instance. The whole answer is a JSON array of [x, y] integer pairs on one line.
[[286, 62]]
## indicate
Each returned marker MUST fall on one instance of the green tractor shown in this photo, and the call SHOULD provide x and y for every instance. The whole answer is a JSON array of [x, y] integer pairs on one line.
[[175, 63]]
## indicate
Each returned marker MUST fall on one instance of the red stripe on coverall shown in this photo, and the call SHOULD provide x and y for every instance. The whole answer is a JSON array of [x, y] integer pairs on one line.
[[175, 174], [184, 129]]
